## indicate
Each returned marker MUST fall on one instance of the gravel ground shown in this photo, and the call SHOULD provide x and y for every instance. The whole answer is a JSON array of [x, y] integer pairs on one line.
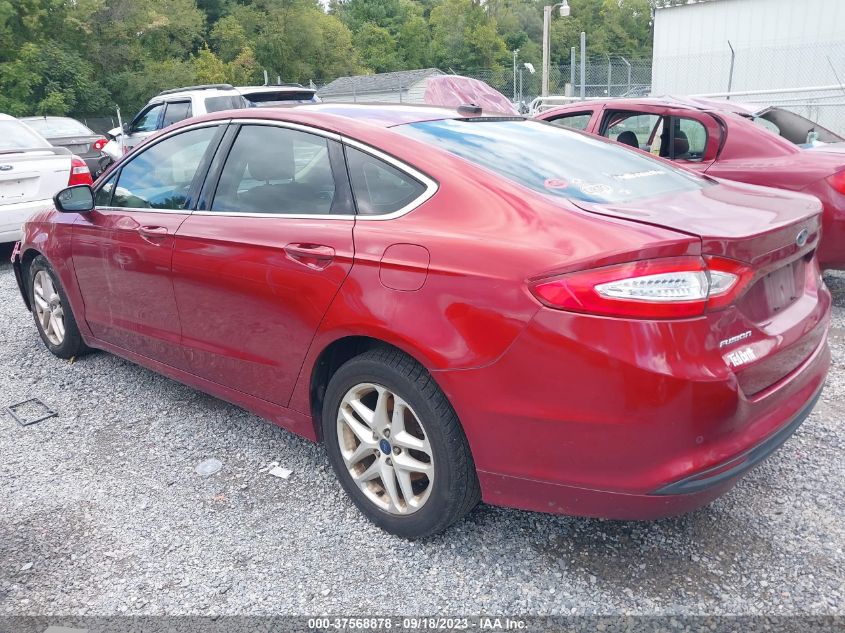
[[101, 513]]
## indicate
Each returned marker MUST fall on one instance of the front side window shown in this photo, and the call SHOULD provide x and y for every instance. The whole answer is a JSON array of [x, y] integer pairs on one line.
[[554, 161], [104, 194], [576, 121], [277, 170], [635, 129], [148, 121], [160, 177], [175, 112], [379, 187]]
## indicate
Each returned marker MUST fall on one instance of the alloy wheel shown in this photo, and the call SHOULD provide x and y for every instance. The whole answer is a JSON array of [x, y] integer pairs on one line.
[[385, 448], [48, 308]]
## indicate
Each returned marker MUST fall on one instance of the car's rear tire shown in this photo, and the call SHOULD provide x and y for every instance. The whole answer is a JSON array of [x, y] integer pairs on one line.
[[51, 310], [397, 445]]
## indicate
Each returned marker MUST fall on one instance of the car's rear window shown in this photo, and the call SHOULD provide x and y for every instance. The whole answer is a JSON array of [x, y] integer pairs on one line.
[[15, 135], [553, 160], [216, 104], [58, 127], [274, 97]]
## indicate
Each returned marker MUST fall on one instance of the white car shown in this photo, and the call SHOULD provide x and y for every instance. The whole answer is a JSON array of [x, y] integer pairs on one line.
[[171, 106], [31, 172]]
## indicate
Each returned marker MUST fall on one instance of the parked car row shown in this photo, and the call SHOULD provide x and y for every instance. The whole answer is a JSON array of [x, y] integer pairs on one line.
[[463, 306], [175, 105], [761, 146], [31, 172]]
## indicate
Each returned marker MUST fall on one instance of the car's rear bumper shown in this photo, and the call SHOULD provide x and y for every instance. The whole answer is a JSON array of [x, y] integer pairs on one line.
[[12, 216], [632, 420]]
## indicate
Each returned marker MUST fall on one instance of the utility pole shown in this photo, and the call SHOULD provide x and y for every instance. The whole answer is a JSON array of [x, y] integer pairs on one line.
[[583, 63], [547, 24]]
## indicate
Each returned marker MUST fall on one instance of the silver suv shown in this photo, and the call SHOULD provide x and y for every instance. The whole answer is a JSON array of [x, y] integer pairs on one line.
[[171, 106]]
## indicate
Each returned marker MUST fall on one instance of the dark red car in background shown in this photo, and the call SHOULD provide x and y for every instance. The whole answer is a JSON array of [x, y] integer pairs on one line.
[[460, 307], [761, 146]]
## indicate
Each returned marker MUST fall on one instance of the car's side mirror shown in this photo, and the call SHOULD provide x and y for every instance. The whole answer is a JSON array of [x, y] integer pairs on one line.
[[76, 199]]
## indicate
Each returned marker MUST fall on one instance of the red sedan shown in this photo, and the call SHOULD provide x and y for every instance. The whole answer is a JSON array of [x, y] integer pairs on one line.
[[770, 146], [461, 307]]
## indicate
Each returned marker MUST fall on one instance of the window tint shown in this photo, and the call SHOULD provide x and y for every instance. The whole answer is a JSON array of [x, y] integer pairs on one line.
[[175, 112], [103, 196], [634, 129], [58, 126], [552, 160], [577, 121], [16, 135], [216, 104], [148, 121], [161, 176], [276, 170], [690, 139], [379, 187]]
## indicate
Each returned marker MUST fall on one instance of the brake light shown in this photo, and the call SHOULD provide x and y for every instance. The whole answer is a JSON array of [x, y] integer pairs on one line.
[[675, 287], [837, 181], [99, 144], [79, 174]]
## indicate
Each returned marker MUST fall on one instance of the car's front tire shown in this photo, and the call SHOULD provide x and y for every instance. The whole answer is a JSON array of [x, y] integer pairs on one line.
[[397, 445], [51, 310]]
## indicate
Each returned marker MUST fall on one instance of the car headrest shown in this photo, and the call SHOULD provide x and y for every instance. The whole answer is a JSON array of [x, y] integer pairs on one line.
[[628, 138], [271, 162], [681, 143]]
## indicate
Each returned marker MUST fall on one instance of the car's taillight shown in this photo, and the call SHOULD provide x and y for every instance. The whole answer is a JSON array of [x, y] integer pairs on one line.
[[79, 174], [675, 287], [99, 144], [837, 181]]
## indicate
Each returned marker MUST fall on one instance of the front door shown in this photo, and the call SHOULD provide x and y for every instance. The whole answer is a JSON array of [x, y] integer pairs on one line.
[[122, 250], [257, 265]]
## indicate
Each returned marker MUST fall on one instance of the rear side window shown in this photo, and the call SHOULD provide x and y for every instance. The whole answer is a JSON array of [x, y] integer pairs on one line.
[[577, 121], [279, 96], [176, 111], [379, 187], [216, 104], [554, 161], [690, 139], [277, 170], [160, 177]]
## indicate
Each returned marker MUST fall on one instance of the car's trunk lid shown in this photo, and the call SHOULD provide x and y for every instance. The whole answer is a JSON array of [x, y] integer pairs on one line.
[[32, 174], [80, 145], [743, 222]]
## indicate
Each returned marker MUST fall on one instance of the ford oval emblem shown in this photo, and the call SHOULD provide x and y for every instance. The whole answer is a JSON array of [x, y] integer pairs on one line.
[[802, 237], [6, 167]]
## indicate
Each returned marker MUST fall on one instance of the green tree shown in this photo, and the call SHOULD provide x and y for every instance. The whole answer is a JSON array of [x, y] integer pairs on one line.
[[377, 48], [465, 37]]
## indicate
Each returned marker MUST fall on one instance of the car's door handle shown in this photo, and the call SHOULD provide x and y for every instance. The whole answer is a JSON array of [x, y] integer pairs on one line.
[[316, 256], [152, 234]]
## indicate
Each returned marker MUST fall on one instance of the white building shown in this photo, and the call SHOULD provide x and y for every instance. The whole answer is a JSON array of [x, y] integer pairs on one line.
[[777, 44]]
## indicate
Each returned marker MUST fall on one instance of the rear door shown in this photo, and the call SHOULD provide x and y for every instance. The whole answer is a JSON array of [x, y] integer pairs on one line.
[[122, 250], [257, 265]]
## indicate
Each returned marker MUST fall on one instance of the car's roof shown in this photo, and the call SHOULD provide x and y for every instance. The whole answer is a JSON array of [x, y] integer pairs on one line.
[[388, 115], [689, 103], [6, 117], [47, 118], [206, 92], [277, 88]]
